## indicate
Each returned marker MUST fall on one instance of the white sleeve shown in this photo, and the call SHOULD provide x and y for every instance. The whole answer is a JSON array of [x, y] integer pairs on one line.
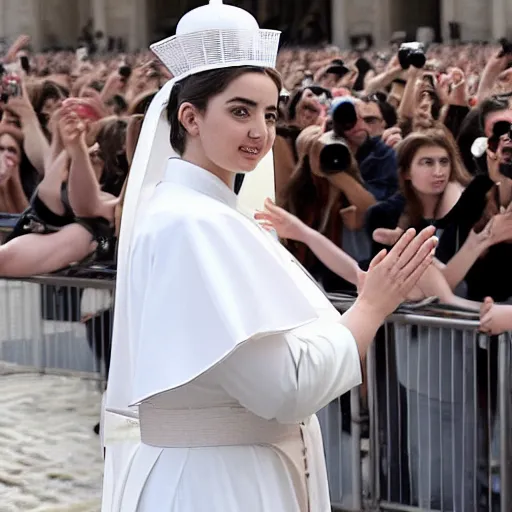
[[289, 376]]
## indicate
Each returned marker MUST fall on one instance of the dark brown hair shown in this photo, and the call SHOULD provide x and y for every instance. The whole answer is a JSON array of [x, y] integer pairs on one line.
[[406, 151], [112, 142], [199, 89]]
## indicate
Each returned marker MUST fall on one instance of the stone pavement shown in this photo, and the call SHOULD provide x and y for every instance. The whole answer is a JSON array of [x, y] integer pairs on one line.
[[50, 459]]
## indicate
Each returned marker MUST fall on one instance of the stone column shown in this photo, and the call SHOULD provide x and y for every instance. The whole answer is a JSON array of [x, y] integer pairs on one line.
[[139, 33], [37, 23], [339, 25], [99, 16], [3, 20], [84, 13], [382, 22], [448, 14], [498, 19]]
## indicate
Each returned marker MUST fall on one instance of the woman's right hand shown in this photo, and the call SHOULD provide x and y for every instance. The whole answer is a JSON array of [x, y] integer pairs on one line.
[[392, 276], [72, 130], [285, 224]]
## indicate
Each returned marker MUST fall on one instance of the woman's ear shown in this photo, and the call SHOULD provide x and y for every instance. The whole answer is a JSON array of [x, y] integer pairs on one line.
[[188, 117]]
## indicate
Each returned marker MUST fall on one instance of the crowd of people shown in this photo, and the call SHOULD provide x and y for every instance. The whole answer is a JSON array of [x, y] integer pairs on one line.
[[368, 144]]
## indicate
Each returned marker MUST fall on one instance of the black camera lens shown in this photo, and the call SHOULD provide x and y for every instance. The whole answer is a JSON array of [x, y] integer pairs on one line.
[[344, 116], [412, 54], [335, 158], [125, 71], [418, 60]]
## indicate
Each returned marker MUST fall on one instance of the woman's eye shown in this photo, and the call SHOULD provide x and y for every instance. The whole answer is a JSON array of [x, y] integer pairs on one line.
[[240, 112], [271, 118], [445, 161]]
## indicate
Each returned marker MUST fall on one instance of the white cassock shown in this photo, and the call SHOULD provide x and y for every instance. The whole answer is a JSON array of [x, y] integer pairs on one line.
[[208, 284]]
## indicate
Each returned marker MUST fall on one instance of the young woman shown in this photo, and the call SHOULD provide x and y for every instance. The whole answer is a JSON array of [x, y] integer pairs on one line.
[[70, 217], [223, 348], [12, 195], [434, 365]]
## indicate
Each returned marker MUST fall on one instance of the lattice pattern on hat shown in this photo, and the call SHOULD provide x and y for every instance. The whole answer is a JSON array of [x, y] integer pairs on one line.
[[197, 51]]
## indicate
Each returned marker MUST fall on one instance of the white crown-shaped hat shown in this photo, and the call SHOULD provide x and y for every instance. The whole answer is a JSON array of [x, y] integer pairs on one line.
[[217, 36]]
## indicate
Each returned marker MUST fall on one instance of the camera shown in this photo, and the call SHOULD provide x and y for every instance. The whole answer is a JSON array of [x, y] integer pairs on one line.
[[10, 85], [506, 47], [500, 129], [412, 54], [331, 154], [343, 114], [125, 72]]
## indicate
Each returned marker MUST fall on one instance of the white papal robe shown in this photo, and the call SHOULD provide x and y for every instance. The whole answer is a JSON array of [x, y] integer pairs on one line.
[[285, 376]]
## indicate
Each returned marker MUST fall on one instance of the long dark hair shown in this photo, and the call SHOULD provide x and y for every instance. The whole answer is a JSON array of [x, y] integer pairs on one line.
[[112, 142], [199, 89], [306, 196]]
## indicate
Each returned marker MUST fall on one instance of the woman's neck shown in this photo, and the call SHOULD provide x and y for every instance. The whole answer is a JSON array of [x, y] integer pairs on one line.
[[199, 159], [437, 206], [429, 205]]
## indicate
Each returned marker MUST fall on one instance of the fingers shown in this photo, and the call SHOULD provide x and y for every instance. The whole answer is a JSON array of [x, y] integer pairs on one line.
[[409, 248], [378, 259], [486, 316], [486, 307], [394, 259], [393, 140], [386, 236], [418, 265], [263, 216]]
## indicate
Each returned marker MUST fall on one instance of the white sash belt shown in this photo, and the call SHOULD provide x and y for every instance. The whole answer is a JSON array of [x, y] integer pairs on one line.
[[216, 426]]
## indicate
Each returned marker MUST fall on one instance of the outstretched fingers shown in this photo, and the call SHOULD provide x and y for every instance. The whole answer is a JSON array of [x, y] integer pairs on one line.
[[407, 248], [418, 264]]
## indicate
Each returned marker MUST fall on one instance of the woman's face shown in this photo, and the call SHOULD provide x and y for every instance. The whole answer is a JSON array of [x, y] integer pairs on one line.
[[10, 157], [238, 127], [430, 171]]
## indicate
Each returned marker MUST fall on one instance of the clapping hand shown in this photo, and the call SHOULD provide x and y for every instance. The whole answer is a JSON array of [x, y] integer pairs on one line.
[[392, 276]]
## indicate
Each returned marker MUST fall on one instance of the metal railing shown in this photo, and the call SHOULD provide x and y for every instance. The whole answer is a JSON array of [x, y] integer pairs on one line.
[[57, 323], [438, 394]]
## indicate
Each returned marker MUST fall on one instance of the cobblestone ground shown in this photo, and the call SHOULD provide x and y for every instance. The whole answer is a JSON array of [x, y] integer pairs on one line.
[[50, 460]]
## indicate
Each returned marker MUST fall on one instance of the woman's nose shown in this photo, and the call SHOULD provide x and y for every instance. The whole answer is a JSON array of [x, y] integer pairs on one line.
[[258, 129]]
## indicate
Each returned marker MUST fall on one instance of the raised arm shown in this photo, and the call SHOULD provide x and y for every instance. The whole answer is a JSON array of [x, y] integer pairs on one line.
[[288, 226], [84, 190]]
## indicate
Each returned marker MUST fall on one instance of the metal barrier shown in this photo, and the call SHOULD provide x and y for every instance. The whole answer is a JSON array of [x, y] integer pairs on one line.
[[57, 324], [438, 395], [439, 398]]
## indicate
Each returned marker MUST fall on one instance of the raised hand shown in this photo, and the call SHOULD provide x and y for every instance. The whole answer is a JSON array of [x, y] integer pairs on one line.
[[495, 318], [391, 277], [284, 223], [72, 129]]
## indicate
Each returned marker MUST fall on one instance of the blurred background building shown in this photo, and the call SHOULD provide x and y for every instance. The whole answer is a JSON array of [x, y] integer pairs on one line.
[[132, 24]]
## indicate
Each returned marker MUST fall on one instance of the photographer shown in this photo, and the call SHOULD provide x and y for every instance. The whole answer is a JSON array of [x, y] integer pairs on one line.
[[305, 108], [376, 160]]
